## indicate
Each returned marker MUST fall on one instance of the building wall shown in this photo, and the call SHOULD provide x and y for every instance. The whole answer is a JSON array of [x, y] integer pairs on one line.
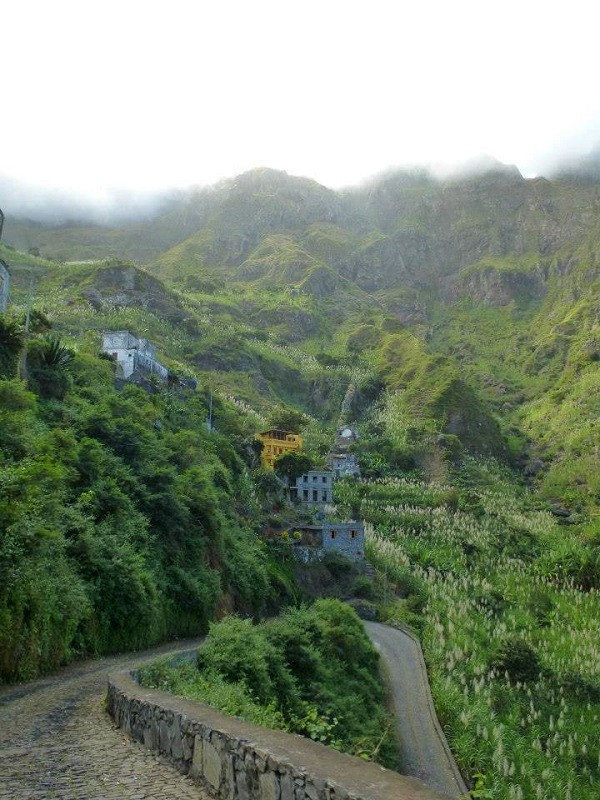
[[347, 538], [274, 447], [132, 353], [315, 487], [118, 340], [344, 465], [145, 362]]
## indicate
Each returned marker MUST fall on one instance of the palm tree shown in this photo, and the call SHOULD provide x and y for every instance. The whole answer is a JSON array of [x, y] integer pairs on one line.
[[52, 353], [48, 365]]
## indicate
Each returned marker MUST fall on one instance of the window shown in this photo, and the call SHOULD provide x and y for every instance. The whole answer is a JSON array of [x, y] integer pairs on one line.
[[333, 534], [314, 478], [324, 496], [305, 494], [315, 496], [305, 478], [353, 534], [324, 479]]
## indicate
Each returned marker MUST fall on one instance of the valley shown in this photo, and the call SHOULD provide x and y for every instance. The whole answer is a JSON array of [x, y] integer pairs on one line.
[[456, 324]]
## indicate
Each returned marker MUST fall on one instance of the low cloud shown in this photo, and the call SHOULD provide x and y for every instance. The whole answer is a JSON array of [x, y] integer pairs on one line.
[[55, 206]]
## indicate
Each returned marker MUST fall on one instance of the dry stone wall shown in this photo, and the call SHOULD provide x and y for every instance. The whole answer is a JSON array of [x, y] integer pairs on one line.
[[236, 760]]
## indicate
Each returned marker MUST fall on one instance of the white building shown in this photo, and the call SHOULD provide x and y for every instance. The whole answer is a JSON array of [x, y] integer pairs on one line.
[[132, 354]]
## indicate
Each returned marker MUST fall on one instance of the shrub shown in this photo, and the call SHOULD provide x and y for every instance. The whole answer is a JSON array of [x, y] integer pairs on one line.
[[517, 658], [363, 586], [314, 665], [11, 341], [337, 564]]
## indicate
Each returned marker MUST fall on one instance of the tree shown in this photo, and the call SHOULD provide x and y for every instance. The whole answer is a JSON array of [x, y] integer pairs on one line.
[[288, 419], [292, 464], [49, 363], [11, 341]]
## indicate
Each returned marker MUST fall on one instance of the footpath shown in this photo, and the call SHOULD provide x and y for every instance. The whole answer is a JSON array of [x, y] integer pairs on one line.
[[58, 743]]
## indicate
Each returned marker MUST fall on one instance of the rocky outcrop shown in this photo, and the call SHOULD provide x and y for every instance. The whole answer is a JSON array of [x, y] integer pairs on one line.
[[498, 287], [122, 286]]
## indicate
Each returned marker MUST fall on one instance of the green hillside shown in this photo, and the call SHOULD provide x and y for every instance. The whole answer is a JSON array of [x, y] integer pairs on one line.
[[479, 292], [455, 324]]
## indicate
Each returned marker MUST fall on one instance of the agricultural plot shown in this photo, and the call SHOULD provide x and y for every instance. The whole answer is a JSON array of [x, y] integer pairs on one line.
[[507, 606]]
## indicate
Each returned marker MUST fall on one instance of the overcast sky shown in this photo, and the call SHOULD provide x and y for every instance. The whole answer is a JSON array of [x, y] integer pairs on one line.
[[98, 96]]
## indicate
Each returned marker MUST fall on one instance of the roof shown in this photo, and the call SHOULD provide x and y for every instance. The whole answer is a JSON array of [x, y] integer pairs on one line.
[[277, 430], [318, 472]]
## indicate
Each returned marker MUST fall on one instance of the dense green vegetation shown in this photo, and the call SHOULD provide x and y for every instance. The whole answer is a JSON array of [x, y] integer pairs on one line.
[[123, 519], [456, 322], [311, 671], [506, 602]]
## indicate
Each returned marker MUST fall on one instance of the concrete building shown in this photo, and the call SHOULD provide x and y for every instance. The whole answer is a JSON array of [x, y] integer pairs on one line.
[[4, 286], [347, 538], [315, 487], [132, 354], [275, 443], [312, 542], [343, 464]]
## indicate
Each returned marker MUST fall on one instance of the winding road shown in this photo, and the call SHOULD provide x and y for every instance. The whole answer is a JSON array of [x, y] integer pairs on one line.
[[58, 743], [424, 752]]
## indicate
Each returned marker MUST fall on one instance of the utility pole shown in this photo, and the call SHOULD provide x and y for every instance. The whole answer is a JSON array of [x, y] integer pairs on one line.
[[209, 422]]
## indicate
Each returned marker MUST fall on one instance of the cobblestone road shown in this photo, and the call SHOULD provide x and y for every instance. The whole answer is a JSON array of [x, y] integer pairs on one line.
[[57, 742]]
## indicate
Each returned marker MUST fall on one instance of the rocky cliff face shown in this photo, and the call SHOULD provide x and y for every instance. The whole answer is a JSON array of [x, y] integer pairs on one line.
[[122, 285], [498, 287]]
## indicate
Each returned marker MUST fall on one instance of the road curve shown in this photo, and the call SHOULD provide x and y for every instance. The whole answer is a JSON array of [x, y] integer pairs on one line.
[[58, 743], [424, 752]]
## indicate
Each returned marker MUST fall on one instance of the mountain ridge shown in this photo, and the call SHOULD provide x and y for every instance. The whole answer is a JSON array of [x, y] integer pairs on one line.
[[447, 266]]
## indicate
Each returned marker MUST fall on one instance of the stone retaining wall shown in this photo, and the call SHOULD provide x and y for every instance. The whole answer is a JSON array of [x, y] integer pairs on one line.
[[237, 760]]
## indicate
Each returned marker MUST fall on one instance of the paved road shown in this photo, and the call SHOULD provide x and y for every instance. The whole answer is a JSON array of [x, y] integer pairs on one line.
[[58, 743], [423, 751]]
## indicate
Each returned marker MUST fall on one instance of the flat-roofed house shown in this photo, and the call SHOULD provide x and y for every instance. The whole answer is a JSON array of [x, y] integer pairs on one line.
[[275, 443], [315, 487], [312, 542], [132, 354]]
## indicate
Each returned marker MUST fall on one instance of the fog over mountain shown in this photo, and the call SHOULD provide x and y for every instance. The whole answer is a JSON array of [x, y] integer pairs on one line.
[[56, 206]]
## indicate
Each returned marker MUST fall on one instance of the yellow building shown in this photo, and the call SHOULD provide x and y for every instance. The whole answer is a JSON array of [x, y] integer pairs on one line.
[[276, 443]]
